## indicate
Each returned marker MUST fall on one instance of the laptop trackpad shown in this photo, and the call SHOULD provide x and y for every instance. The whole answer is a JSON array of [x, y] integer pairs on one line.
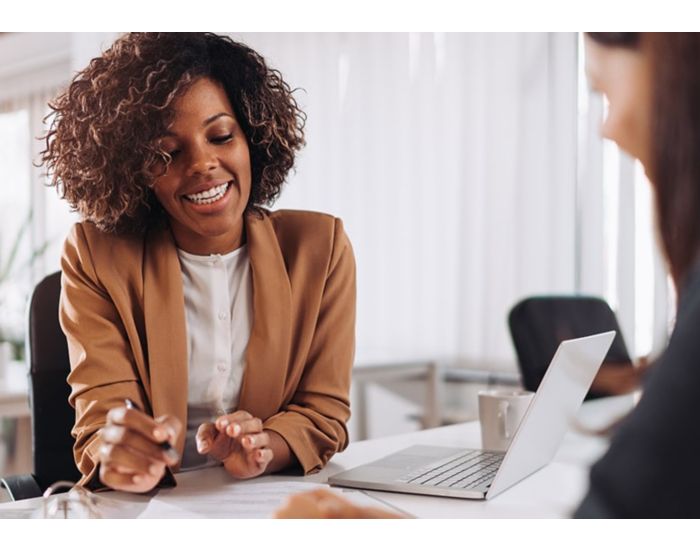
[[414, 457]]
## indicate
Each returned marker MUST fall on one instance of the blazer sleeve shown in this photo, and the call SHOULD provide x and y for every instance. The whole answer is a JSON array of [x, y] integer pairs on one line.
[[102, 364], [650, 469], [314, 423]]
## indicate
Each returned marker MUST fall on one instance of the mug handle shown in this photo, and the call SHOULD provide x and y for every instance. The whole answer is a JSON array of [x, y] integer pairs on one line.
[[502, 416]]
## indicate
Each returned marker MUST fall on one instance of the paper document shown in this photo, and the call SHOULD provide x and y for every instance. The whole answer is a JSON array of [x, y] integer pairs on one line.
[[241, 500]]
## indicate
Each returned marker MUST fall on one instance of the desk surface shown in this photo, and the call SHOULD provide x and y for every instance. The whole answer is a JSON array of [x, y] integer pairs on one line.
[[554, 491]]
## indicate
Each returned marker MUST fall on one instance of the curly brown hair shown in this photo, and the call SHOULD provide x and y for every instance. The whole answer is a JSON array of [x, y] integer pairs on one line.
[[103, 143]]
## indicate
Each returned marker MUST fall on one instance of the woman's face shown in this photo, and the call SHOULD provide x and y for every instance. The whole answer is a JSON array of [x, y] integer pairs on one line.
[[623, 75], [206, 187]]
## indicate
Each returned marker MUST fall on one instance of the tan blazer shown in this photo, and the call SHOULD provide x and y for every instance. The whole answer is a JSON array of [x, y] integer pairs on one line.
[[123, 313]]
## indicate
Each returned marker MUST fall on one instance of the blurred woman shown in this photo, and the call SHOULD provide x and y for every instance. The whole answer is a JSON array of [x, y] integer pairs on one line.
[[652, 83]]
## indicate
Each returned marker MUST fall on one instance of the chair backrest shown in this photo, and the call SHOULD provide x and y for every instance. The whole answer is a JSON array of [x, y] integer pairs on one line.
[[49, 365], [539, 324]]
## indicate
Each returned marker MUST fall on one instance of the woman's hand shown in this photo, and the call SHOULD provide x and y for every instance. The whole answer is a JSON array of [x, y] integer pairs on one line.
[[237, 440], [323, 504], [131, 457], [620, 378]]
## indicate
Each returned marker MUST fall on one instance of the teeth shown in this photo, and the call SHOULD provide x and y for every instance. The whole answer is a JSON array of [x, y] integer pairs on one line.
[[210, 195]]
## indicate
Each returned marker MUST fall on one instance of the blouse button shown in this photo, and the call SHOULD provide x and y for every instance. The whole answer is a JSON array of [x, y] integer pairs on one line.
[[221, 367], [222, 315]]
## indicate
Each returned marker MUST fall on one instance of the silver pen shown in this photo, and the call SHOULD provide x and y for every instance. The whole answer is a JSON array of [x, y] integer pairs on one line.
[[165, 445]]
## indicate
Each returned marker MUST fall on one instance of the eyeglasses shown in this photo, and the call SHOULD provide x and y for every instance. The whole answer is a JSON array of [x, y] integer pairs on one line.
[[77, 503]]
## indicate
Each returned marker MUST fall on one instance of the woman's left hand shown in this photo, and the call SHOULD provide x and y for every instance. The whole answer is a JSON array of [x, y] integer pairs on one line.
[[237, 440]]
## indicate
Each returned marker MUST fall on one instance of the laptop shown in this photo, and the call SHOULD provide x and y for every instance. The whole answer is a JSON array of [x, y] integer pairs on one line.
[[478, 474]]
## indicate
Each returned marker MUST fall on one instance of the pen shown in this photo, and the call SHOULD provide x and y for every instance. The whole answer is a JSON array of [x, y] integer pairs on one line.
[[165, 445]]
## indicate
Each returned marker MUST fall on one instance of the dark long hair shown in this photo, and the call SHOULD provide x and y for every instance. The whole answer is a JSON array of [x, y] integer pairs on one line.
[[675, 135]]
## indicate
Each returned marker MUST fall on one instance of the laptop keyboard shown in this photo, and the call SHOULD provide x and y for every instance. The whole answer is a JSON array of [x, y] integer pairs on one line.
[[464, 471]]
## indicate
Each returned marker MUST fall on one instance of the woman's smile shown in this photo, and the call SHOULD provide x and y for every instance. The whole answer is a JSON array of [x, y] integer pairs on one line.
[[211, 194], [210, 200]]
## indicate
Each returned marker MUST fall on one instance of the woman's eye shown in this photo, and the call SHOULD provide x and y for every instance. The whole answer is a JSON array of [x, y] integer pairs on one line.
[[172, 154], [222, 139]]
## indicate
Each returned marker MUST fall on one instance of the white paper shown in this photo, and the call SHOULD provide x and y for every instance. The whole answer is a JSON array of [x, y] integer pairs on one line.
[[162, 509], [8, 511], [239, 500]]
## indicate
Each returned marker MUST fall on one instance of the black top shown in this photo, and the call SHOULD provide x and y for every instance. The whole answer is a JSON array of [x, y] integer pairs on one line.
[[652, 468]]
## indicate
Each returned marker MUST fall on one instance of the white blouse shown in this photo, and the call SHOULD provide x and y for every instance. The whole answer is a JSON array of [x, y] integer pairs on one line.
[[219, 313]]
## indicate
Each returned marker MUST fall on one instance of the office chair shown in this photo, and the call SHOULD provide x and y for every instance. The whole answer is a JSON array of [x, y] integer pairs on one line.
[[539, 324], [52, 415]]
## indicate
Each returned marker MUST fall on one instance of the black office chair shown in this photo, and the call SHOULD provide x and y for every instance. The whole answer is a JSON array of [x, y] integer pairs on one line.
[[539, 324], [52, 415]]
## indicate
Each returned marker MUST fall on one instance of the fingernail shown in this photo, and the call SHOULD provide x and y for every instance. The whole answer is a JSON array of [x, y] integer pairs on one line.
[[236, 429], [159, 433], [222, 423], [137, 478], [171, 455], [154, 470], [203, 446]]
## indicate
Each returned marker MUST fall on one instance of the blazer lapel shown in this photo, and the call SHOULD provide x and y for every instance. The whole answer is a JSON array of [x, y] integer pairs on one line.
[[166, 334], [267, 355]]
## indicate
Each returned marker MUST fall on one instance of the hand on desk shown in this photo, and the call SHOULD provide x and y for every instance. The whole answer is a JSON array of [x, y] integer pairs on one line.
[[237, 440], [322, 504], [620, 378], [131, 456]]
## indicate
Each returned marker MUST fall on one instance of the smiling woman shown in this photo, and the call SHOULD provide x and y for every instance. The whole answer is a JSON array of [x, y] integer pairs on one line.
[[230, 327]]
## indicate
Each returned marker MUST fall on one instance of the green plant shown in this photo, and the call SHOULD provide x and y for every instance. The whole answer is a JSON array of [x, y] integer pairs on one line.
[[14, 289], [6, 266]]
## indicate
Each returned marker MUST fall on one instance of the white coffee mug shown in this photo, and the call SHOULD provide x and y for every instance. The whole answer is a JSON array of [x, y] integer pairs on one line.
[[500, 413]]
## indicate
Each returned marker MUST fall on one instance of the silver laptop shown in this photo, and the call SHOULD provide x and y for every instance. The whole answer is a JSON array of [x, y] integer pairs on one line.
[[477, 474]]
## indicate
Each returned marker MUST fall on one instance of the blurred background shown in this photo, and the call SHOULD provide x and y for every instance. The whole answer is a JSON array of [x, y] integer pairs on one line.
[[469, 174]]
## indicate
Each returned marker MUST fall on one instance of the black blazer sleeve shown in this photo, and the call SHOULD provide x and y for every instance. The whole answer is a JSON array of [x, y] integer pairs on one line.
[[652, 468]]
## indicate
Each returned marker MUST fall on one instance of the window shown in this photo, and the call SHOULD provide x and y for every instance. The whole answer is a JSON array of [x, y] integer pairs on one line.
[[33, 219], [15, 222]]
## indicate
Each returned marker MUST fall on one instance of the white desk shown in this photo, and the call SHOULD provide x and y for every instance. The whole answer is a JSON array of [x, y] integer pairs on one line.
[[378, 367], [554, 491]]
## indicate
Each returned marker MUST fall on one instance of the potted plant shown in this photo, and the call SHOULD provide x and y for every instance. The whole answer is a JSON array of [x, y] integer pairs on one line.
[[15, 287]]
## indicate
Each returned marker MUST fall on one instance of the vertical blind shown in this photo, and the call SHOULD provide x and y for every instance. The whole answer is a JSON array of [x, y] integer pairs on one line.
[[452, 160]]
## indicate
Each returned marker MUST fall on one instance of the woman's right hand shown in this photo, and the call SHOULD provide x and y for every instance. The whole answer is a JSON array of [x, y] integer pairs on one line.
[[131, 457], [323, 504]]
